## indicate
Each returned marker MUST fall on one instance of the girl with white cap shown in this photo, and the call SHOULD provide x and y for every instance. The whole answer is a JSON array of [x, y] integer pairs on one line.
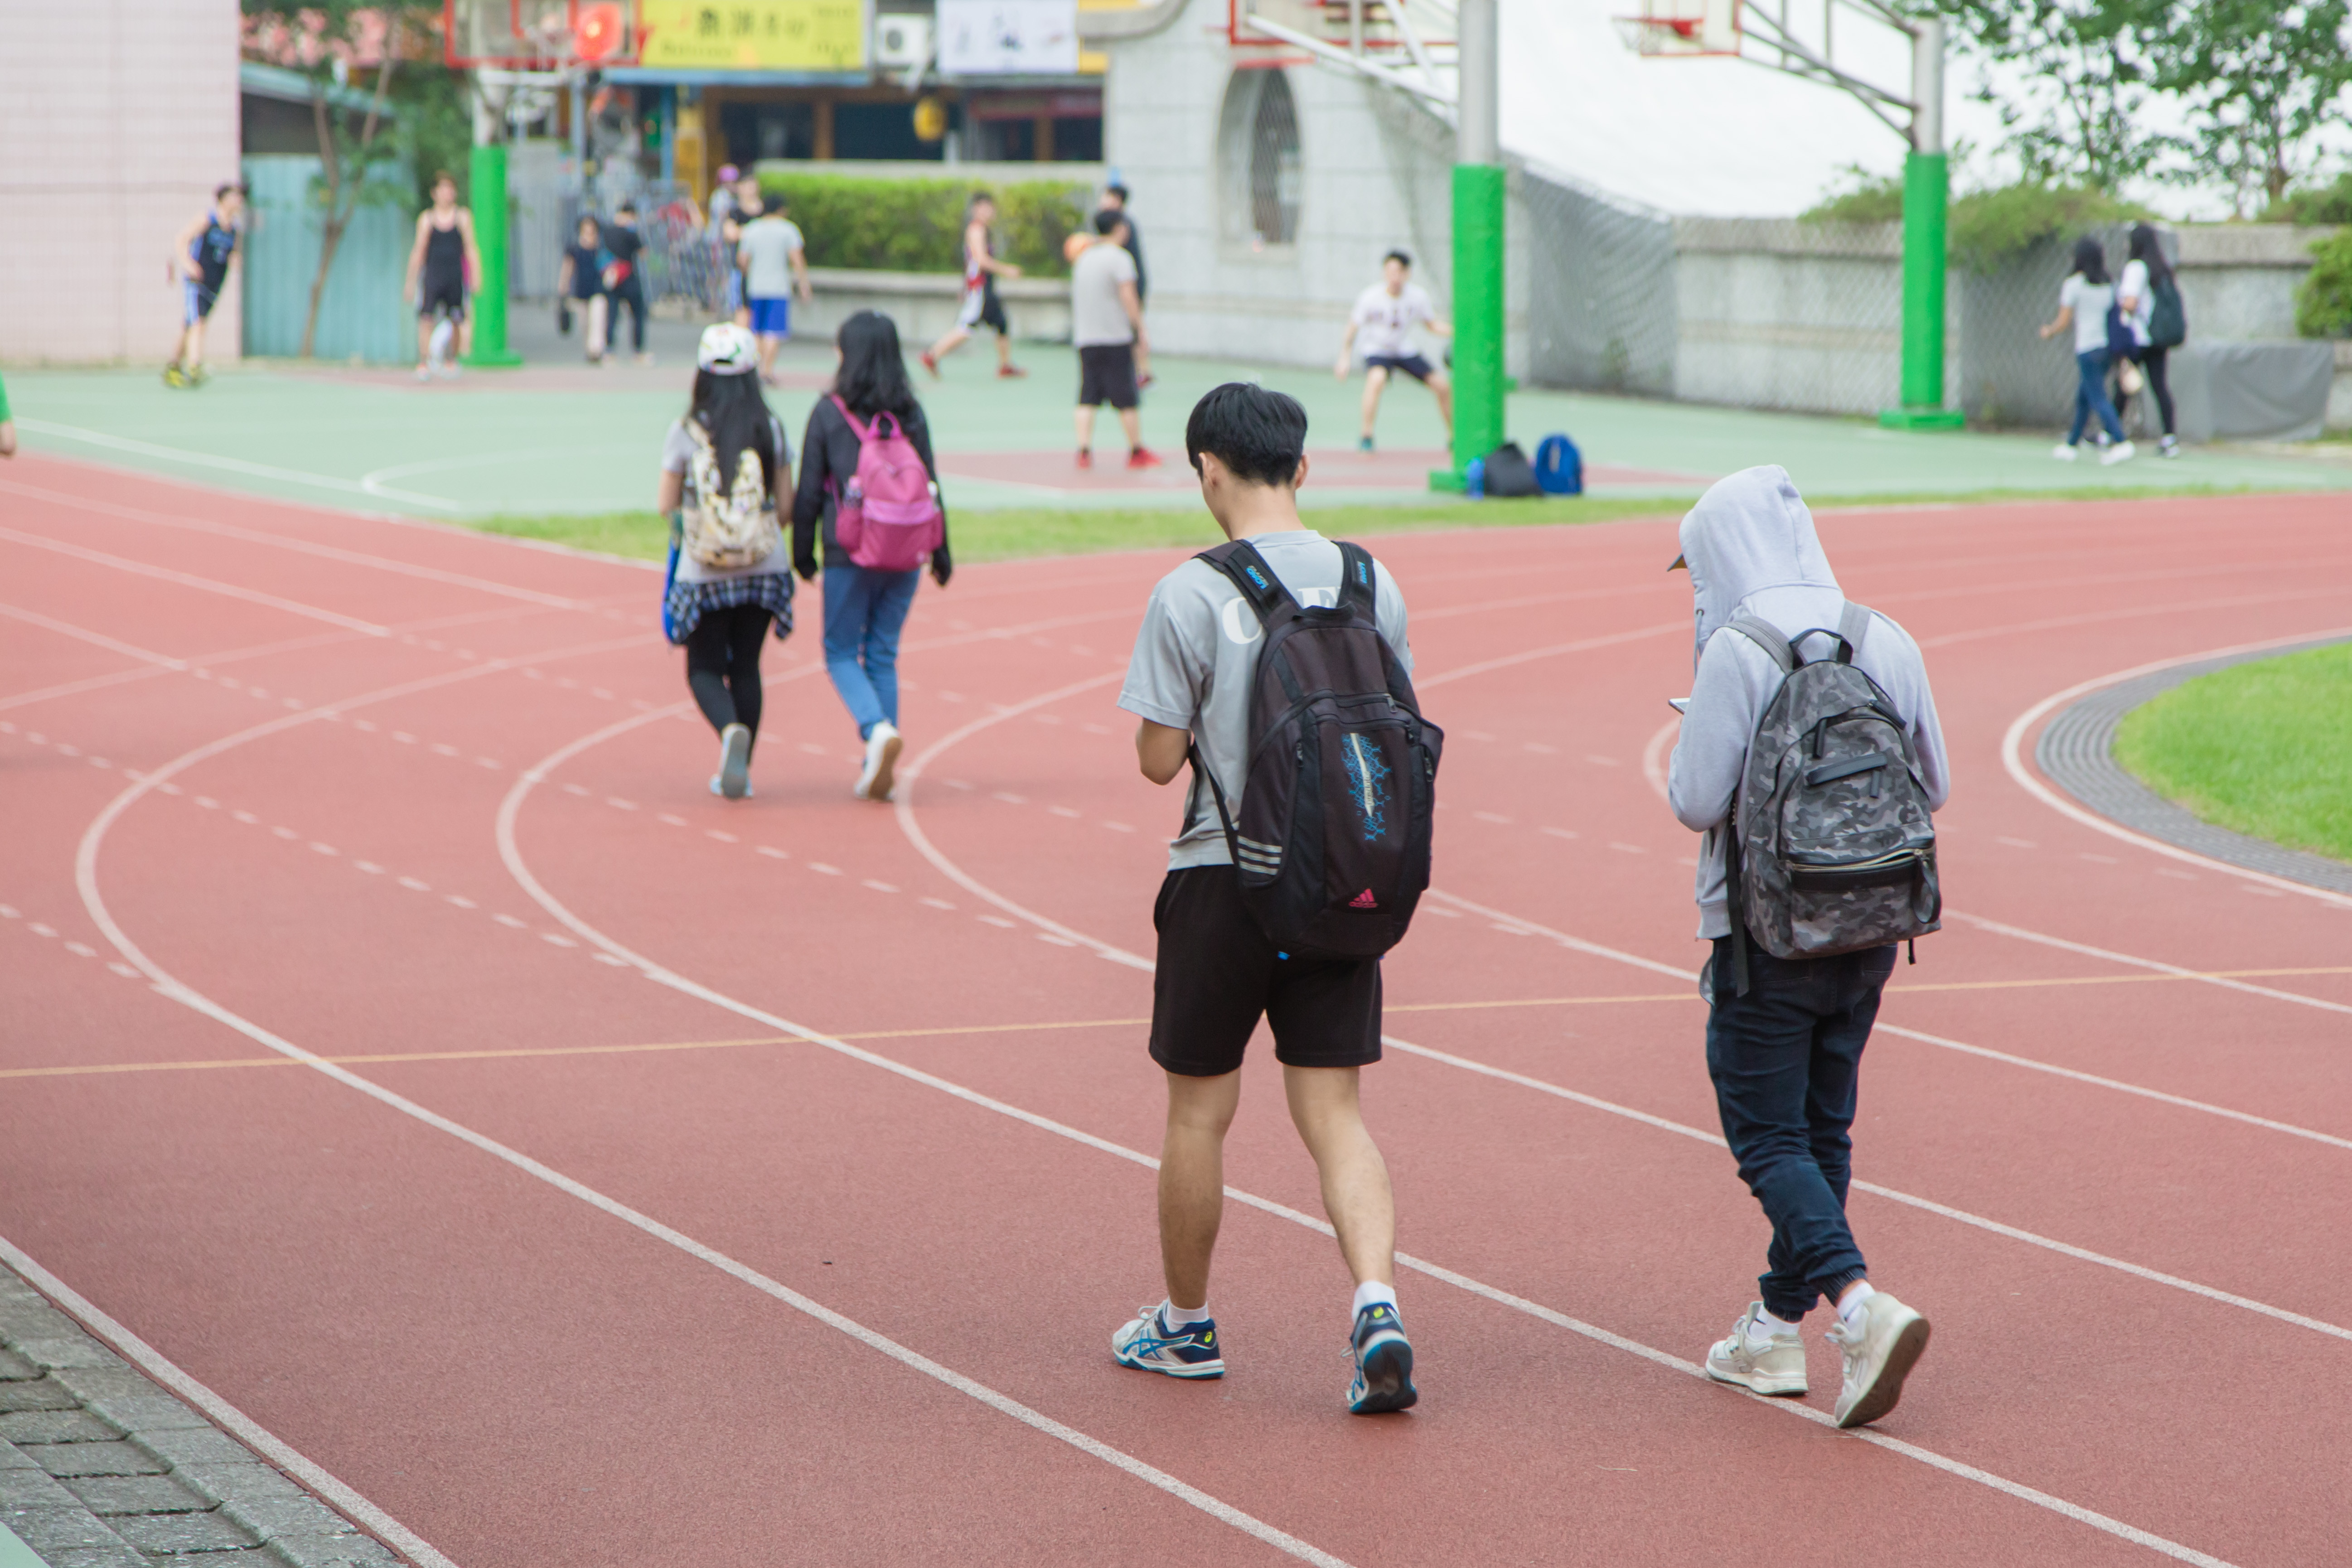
[[724, 466]]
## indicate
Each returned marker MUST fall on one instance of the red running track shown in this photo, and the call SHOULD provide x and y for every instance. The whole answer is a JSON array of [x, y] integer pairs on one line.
[[760, 1183]]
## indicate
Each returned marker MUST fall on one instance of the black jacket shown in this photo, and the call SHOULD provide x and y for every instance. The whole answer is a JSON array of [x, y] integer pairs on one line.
[[828, 461]]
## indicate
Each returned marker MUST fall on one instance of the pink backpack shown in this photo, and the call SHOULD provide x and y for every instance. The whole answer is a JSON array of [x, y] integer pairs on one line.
[[889, 518]]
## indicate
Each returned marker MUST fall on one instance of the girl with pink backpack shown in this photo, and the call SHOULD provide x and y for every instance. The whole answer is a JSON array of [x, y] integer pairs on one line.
[[869, 484]]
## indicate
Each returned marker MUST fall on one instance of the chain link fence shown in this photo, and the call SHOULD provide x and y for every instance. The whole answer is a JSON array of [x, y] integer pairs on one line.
[[1601, 310]]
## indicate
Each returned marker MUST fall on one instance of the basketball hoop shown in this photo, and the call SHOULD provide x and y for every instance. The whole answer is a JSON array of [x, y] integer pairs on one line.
[[1682, 27], [537, 35]]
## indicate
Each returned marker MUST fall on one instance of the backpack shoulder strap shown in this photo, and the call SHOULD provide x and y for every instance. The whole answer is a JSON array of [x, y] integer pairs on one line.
[[1238, 558], [860, 431], [1359, 583], [1765, 636], [1853, 624]]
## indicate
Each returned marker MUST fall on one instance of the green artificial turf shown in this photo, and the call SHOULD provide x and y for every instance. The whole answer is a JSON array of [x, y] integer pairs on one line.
[[2263, 748]]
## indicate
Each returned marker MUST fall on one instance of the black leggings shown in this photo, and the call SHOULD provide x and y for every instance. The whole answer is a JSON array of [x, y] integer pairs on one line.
[[629, 292], [2151, 364], [722, 665]]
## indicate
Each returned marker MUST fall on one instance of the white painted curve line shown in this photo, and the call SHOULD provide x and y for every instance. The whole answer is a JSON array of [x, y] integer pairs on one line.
[[1574, 944], [244, 1427], [300, 546], [98, 639], [225, 465], [1581, 646], [1654, 754], [2176, 971], [1924, 1455], [187, 580], [2012, 759], [1963, 1217]]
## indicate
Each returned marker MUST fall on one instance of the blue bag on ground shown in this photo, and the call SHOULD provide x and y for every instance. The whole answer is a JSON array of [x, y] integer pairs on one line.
[[1560, 466]]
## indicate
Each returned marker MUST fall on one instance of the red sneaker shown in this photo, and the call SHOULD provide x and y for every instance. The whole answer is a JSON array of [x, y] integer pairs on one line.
[[1139, 459], [1086, 458], [930, 364], [1010, 373]]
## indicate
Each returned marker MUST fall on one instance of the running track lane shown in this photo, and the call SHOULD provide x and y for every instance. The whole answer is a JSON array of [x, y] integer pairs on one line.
[[364, 1267]]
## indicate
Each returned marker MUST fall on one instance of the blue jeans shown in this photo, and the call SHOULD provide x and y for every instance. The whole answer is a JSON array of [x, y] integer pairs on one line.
[[1786, 1060], [864, 612], [2091, 397]]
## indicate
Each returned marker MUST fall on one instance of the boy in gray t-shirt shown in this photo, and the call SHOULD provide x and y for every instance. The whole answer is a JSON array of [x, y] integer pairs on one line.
[[774, 258], [1218, 973]]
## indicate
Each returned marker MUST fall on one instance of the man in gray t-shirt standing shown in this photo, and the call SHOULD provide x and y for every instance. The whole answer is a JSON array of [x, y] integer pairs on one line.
[[1218, 973], [774, 258], [1106, 325]]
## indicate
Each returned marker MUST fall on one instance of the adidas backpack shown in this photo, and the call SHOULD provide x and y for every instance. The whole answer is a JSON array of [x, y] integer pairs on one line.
[[1332, 846], [1832, 846], [732, 522]]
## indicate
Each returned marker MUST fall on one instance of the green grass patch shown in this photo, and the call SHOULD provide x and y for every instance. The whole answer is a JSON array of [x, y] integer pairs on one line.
[[2261, 748]]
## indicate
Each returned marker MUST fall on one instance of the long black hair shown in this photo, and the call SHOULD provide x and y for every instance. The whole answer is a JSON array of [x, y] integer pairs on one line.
[[873, 378], [2091, 259], [730, 409], [2146, 250]]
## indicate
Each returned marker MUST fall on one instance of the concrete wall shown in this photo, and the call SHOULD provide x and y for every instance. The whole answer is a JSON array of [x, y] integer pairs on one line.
[[2238, 280], [117, 119], [1376, 175]]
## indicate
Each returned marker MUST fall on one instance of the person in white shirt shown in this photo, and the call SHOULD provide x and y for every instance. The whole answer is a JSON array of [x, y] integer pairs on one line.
[[2083, 303], [2135, 290], [1384, 317]]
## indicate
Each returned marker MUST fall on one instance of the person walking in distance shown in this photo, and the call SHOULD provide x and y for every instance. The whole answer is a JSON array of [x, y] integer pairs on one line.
[[580, 278], [981, 305], [775, 262], [1106, 325], [7, 425], [201, 260], [1190, 684], [869, 435], [748, 205], [1115, 200], [442, 265], [2145, 292], [1785, 1034], [725, 470], [1385, 316], [624, 283], [2084, 301]]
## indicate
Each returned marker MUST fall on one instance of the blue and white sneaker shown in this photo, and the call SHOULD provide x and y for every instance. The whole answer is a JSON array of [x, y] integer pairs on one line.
[[1383, 1359], [1148, 1344]]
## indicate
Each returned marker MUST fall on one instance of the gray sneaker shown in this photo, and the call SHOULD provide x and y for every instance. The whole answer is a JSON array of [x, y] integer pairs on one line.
[[1879, 1351], [1757, 1362]]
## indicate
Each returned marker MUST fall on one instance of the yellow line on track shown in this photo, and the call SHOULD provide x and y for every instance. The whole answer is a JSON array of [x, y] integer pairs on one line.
[[93, 1069]]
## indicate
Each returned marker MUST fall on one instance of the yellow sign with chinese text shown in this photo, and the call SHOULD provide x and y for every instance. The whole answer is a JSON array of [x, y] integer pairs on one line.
[[752, 35]]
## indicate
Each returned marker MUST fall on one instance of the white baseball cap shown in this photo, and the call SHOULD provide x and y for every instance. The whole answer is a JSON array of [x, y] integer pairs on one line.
[[727, 350]]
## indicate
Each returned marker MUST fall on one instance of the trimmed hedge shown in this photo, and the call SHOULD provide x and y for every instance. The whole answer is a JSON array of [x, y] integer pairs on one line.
[[2322, 302], [917, 225]]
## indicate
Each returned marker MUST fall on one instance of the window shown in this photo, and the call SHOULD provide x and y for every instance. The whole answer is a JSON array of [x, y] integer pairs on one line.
[[1261, 161]]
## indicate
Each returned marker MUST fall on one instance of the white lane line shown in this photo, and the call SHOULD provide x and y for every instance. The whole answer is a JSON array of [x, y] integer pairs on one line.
[[227, 465], [302, 546], [1581, 646], [2013, 761], [246, 1430], [187, 580], [511, 808], [99, 639], [2020, 932]]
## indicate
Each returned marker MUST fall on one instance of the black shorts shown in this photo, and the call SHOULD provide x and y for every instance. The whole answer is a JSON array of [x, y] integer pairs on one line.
[[1413, 366], [1218, 973], [443, 293], [1107, 375]]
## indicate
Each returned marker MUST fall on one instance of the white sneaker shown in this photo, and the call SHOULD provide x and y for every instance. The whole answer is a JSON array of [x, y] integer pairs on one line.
[[2064, 452], [734, 779], [719, 789], [2168, 448], [2121, 452], [875, 776], [1880, 1347], [1757, 1360]]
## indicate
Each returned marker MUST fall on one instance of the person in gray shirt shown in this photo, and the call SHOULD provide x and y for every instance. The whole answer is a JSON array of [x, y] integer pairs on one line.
[[1785, 1053], [1217, 973], [774, 258], [1107, 327]]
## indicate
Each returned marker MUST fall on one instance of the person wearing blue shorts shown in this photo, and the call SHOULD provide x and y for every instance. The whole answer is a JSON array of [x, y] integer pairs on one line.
[[774, 261], [1385, 316], [200, 263]]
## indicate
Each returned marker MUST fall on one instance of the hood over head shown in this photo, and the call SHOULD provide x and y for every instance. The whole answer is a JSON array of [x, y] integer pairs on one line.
[[1749, 533]]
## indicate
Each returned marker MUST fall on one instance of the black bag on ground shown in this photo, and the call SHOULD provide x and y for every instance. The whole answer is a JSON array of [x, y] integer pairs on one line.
[[1332, 846], [1509, 472]]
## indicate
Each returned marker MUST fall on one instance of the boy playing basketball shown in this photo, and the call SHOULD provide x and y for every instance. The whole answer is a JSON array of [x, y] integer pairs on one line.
[[1386, 314], [201, 260], [980, 306]]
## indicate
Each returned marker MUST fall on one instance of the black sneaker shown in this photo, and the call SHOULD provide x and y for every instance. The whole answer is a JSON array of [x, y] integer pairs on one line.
[[1383, 1358]]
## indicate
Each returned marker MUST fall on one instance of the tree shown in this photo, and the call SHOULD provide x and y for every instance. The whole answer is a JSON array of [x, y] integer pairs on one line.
[[2260, 77], [327, 42], [2083, 79]]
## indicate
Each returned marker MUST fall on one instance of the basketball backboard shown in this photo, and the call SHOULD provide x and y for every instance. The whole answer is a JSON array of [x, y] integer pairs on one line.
[[1683, 28], [538, 35]]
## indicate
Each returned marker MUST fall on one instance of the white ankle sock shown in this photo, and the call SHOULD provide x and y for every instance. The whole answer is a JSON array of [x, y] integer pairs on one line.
[[1849, 1309], [1768, 1326], [1177, 1317], [1370, 1291]]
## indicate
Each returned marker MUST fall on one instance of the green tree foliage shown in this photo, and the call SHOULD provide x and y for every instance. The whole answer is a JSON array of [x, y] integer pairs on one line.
[[1990, 228], [2082, 77], [917, 225], [2322, 302], [2259, 78], [2313, 204], [1866, 198]]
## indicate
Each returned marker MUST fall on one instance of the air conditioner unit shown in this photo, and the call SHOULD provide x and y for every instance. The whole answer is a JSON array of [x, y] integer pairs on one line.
[[902, 42]]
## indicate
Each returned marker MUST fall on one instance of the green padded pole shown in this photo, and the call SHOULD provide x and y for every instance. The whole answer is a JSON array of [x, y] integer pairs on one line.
[[1926, 198], [489, 302], [1478, 383]]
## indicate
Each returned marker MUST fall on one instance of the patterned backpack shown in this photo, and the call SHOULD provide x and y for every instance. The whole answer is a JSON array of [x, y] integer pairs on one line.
[[727, 525], [1832, 846]]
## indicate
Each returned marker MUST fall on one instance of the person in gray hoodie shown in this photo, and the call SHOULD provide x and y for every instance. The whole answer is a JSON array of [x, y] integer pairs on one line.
[[1785, 1051]]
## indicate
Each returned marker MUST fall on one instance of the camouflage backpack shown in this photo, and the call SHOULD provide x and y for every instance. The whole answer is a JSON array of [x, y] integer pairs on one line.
[[1832, 847]]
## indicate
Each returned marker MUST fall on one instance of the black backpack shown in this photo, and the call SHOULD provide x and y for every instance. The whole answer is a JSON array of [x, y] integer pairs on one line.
[[1509, 472], [1332, 847], [2168, 325]]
